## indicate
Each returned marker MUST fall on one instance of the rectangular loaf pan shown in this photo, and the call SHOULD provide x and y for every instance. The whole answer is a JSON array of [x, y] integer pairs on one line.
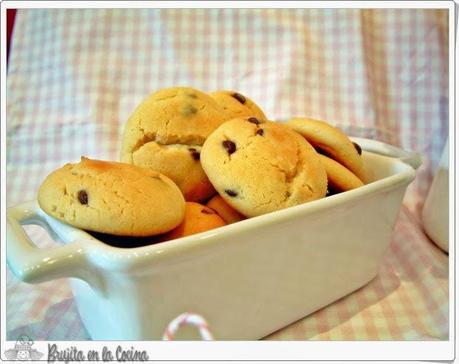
[[247, 279]]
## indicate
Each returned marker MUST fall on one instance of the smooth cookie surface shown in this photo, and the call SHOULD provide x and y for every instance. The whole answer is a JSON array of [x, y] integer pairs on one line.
[[198, 218], [332, 142], [259, 167], [237, 105], [225, 211], [112, 198], [340, 178]]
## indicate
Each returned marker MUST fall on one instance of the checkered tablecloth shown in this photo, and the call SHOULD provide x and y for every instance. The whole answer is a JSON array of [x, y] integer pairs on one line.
[[74, 76]]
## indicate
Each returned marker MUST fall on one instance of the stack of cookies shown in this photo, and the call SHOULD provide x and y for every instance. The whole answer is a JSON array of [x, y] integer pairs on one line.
[[192, 161]]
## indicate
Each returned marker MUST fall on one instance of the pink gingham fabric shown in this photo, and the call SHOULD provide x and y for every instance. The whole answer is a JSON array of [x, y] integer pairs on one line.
[[74, 76]]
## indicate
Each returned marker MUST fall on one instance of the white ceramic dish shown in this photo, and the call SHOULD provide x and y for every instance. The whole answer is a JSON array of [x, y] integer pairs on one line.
[[247, 279]]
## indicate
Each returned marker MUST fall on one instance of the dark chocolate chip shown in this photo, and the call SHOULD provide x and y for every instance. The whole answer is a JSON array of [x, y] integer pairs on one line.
[[231, 193], [207, 211], [229, 146], [194, 154], [358, 148], [254, 120], [189, 110], [83, 197], [260, 132], [239, 97]]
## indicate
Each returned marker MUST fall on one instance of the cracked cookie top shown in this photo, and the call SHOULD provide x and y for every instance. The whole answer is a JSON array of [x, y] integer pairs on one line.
[[166, 132], [236, 105], [112, 198], [260, 167], [178, 115]]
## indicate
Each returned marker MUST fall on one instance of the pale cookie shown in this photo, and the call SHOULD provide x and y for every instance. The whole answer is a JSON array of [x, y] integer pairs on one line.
[[180, 163], [236, 105], [112, 198], [165, 133], [332, 142], [225, 211], [340, 178], [262, 167], [198, 218]]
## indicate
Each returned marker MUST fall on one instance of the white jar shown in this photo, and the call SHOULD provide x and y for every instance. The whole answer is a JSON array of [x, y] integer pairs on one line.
[[435, 214]]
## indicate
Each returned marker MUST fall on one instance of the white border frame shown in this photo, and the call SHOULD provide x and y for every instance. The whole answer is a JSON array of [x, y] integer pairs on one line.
[[255, 350]]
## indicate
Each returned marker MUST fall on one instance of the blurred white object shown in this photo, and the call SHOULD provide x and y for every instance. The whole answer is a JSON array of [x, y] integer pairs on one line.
[[435, 214]]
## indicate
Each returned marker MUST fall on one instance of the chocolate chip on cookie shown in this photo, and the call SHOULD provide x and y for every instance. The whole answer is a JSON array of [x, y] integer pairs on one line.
[[254, 120], [231, 193], [239, 97], [194, 153], [358, 148], [83, 197], [260, 176], [162, 128], [189, 110], [126, 200], [235, 105], [229, 146]]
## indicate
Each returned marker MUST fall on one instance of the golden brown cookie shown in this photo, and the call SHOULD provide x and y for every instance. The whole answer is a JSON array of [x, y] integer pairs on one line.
[[166, 132], [198, 218], [112, 198], [332, 142], [260, 167], [340, 178], [180, 163], [236, 105], [225, 211]]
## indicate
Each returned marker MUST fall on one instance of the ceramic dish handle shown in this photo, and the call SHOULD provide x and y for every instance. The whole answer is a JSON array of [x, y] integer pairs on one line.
[[411, 158], [32, 264]]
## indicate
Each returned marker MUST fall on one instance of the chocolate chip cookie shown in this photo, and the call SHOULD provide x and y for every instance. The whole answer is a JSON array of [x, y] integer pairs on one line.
[[260, 166], [166, 133], [340, 179], [112, 198], [331, 142]]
